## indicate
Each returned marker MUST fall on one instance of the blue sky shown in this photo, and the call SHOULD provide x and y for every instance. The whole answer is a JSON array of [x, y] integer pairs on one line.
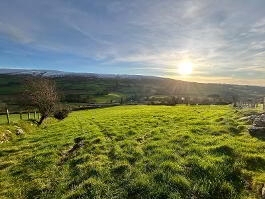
[[225, 40]]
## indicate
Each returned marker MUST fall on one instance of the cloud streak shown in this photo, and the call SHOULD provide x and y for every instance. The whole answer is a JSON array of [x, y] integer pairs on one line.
[[151, 37]]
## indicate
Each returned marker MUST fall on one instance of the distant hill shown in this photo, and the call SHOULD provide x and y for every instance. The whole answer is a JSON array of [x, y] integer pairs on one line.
[[55, 73], [101, 88]]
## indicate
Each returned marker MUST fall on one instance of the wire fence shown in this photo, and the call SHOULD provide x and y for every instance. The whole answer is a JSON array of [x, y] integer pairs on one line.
[[8, 117]]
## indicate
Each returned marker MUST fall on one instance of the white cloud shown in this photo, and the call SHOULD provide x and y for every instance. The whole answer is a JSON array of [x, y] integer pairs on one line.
[[15, 33], [218, 37]]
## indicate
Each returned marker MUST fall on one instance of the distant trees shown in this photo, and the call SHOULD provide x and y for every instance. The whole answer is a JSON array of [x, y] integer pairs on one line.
[[216, 99], [2, 106], [40, 92], [172, 101], [78, 98], [235, 99]]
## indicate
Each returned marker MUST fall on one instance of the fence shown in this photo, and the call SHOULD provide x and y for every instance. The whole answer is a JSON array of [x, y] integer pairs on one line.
[[251, 104], [8, 117]]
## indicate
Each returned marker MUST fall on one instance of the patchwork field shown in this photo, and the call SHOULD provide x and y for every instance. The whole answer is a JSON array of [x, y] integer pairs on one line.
[[135, 152]]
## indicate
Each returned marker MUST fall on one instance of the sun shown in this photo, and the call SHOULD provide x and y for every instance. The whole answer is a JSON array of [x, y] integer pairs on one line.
[[185, 68]]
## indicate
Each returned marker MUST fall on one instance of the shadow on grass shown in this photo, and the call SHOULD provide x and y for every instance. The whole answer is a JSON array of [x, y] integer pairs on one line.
[[223, 150], [5, 165], [20, 173], [258, 133], [29, 165], [78, 175], [255, 163], [262, 138], [223, 180], [234, 130], [35, 192], [120, 170], [7, 152], [33, 121]]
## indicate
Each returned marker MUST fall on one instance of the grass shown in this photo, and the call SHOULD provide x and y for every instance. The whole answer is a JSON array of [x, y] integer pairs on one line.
[[16, 117], [135, 152]]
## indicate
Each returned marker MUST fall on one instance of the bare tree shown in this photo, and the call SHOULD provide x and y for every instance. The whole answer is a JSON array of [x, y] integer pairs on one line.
[[41, 93]]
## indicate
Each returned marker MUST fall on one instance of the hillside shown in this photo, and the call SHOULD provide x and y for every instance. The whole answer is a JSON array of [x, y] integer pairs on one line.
[[135, 152], [95, 88]]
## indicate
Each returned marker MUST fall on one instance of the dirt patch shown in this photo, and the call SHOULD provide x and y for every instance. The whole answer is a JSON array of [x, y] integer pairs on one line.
[[79, 142]]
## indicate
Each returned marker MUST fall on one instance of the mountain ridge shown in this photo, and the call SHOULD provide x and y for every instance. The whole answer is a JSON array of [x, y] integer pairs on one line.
[[104, 88], [58, 73]]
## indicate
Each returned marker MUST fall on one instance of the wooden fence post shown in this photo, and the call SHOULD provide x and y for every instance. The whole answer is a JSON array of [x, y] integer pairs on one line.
[[35, 115], [7, 116], [28, 115], [182, 100], [20, 115]]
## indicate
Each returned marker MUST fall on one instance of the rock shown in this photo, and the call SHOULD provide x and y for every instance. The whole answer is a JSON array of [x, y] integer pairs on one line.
[[259, 121], [263, 192], [7, 135], [19, 132], [257, 131], [250, 118], [7, 132], [258, 127], [4, 137], [244, 118]]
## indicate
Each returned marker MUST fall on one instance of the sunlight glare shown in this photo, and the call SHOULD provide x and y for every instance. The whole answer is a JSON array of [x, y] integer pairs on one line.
[[185, 68]]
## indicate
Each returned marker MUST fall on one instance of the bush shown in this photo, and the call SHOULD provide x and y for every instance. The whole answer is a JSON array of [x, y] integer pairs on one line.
[[61, 114]]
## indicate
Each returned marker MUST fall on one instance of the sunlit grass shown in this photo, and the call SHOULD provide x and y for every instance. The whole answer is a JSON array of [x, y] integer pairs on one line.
[[136, 152], [16, 117]]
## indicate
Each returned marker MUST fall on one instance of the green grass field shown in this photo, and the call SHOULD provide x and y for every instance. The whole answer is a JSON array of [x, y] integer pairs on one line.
[[16, 117], [135, 152]]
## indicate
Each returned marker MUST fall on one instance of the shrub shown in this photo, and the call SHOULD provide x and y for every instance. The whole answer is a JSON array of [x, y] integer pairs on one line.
[[61, 114], [40, 93]]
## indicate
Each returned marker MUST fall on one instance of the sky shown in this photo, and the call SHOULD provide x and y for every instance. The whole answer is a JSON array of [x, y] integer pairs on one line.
[[224, 40]]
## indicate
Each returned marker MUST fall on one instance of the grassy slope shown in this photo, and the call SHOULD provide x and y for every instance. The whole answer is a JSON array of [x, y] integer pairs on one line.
[[96, 90], [136, 152], [15, 117]]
